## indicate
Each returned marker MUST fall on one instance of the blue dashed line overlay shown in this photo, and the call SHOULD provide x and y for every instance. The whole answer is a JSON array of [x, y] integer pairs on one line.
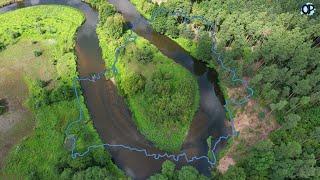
[[176, 157]]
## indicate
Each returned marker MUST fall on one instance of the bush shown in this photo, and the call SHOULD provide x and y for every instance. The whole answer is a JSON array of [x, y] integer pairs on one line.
[[2, 46], [114, 26], [144, 55], [133, 83], [261, 115], [16, 34], [37, 53], [2, 109]]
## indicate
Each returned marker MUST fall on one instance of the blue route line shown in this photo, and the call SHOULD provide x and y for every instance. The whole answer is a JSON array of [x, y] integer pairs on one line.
[[175, 157]]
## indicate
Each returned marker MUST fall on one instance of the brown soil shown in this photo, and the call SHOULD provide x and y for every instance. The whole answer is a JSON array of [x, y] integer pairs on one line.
[[251, 129]]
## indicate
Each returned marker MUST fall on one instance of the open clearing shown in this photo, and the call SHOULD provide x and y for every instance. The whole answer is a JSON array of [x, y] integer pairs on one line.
[[16, 62]]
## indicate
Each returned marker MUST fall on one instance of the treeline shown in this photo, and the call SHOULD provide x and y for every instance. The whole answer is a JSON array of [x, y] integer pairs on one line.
[[273, 45], [162, 95], [47, 152]]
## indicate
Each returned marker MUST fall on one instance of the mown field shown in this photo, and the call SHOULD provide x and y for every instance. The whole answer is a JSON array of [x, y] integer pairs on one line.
[[47, 72], [161, 94]]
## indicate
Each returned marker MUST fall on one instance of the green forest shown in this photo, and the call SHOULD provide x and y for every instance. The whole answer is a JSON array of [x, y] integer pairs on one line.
[[44, 154], [274, 46]]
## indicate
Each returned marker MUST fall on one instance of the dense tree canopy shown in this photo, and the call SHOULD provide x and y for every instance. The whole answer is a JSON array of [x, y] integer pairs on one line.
[[273, 45]]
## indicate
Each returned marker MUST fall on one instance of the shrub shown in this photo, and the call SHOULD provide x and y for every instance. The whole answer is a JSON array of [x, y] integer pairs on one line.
[[133, 83], [15, 34], [3, 106], [2, 46], [114, 26], [145, 55], [37, 53], [261, 115], [2, 109]]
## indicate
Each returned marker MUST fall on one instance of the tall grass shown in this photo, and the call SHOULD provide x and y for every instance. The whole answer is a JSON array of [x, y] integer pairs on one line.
[[45, 154]]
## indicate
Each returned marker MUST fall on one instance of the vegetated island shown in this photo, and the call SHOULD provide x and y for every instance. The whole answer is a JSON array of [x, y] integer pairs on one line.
[[162, 95]]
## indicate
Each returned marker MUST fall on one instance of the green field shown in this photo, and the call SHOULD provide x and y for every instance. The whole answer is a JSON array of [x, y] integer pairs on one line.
[[38, 42]]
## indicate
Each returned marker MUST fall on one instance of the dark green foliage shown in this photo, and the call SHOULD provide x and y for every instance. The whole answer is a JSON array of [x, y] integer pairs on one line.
[[143, 54], [2, 46], [114, 26], [168, 172], [234, 173], [2, 109], [37, 53], [42, 30], [160, 83], [203, 51], [94, 173], [168, 169], [260, 160], [15, 34], [172, 27], [182, 5], [107, 10], [160, 23], [62, 93], [3, 106], [186, 32], [133, 83], [261, 115], [189, 172]]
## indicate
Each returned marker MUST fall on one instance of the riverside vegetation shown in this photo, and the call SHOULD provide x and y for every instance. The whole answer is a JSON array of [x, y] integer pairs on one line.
[[50, 98]]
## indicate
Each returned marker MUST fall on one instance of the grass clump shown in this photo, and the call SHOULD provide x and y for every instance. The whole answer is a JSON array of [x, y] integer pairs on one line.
[[37, 52]]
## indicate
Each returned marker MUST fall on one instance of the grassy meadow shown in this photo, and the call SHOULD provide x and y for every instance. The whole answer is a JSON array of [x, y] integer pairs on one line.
[[37, 45]]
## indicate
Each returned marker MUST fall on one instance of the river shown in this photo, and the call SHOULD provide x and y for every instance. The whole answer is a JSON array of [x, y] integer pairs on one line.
[[108, 110]]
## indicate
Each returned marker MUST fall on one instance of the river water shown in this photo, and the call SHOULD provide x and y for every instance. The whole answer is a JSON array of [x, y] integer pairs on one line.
[[108, 110]]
